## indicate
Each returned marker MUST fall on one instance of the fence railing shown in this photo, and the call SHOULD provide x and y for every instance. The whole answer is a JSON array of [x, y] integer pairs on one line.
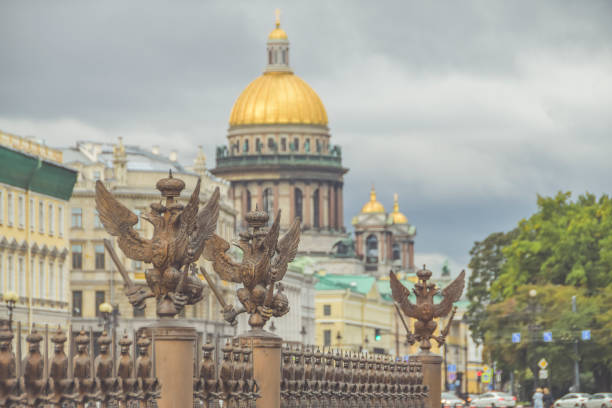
[[81, 379]]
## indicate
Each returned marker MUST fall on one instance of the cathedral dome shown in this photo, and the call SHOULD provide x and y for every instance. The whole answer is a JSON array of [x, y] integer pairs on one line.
[[278, 98], [373, 206], [396, 216]]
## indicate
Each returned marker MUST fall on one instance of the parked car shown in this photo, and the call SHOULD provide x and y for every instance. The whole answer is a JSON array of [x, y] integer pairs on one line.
[[572, 400], [470, 398], [494, 399], [450, 400], [599, 400]]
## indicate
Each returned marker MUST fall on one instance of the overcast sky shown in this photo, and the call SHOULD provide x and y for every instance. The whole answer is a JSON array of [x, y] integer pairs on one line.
[[467, 109]]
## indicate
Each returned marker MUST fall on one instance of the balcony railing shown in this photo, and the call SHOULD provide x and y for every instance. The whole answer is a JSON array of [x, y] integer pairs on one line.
[[279, 160]]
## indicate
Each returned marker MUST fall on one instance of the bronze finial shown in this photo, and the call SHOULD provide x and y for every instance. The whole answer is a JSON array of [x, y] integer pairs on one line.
[[425, 310], [179, 235], [264, 262]]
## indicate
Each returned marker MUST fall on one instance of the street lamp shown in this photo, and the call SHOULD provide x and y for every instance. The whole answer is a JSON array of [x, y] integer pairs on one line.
[[106, 310], [532, 327], [10, 298]]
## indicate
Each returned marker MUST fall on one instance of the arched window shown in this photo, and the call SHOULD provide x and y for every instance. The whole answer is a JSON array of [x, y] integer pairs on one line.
[[248, 200], [307, 145], [258, 145], [245, 147], [296, 144], [284, 57], [397, 254], [270, 57], [315, 206], [284, 144], [298, 203], [372, 249], [268, 203]]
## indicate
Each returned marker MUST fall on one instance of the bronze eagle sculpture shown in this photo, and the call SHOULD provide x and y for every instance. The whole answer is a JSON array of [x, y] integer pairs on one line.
[[425, 310], [264, 263], [179, 236]]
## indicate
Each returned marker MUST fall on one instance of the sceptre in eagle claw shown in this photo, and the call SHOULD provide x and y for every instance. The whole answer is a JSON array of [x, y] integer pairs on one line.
[[425, 309], [264, 263], [180, 233]]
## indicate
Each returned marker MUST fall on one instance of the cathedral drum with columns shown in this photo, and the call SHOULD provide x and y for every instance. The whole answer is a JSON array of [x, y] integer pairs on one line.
[[279, 155]]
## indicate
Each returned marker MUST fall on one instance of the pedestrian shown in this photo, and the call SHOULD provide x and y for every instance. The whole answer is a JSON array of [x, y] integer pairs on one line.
[[538, 399], [547, 399]]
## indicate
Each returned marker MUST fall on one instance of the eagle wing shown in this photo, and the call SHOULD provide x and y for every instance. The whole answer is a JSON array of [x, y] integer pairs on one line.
[[401, 295], [272, 236], [205, 226], [119, 221], [186, 220], [287, 249], [215, 251], [451, 294]]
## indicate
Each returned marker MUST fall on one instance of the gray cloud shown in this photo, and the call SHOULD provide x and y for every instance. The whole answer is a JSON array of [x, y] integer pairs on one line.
[[467, 109]]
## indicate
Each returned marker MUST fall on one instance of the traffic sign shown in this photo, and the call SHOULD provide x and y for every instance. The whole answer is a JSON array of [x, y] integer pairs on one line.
[[543, 374], [451, 368], [486, 377], [543, 364], [452, 376], [516, 337], [586, 335], [547, 336]]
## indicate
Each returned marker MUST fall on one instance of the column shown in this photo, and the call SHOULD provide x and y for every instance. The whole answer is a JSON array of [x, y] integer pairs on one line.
[[276, 198], [340, 208], [266, 366], [404, 255], [243, 205], [411, 254], [321, 204], [332, 204], [432, 376], [174, 355], [259, 196], [307, 200], [292, 203]]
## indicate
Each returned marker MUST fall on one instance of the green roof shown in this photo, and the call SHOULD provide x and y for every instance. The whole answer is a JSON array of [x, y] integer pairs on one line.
[[31, 173], [356, 283]]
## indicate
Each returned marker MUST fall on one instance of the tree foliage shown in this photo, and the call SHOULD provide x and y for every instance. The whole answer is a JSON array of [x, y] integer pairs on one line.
[[563, 250]]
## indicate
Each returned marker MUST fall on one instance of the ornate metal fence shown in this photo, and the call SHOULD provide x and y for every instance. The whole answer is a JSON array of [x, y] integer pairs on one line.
[[79, 379], [312, 379]]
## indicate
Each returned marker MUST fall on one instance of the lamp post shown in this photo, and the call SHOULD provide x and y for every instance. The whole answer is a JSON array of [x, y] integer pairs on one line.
[[532, 330], [106, 310], [10, 298]]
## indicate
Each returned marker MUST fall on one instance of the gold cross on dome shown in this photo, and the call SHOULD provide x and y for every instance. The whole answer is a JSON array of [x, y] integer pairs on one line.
[[277, 12]]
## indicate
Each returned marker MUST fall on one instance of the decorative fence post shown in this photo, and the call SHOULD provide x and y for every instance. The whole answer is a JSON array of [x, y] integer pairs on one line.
[[424, 312]]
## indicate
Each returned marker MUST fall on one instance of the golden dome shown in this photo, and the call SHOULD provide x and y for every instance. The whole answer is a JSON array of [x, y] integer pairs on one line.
[[373, 206], [278, 98], [396, 216], [278, 34]]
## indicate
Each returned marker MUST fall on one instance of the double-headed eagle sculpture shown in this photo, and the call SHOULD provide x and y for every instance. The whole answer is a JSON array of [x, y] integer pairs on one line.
[[425, 310], [264, 262], [183, 233], [179, 236]]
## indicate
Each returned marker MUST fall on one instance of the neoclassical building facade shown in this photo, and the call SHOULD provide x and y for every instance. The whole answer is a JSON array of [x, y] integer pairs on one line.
[[279, 154]]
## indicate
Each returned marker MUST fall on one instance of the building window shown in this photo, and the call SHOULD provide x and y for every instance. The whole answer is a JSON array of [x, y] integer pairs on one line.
[[245, 146], [268, 203], [298, 203], [318, 146], [326, 310], [77, 257], [77, 303], [10, 209], [396, 251], [61, 282], [77, 218], [99, 300], [270, 57], [284, 53], [60, 220], [307, 146], [99, 256], [315, 207], [97, 222], [32, 216], [284, 144], [41, 217], [372, 249], [296, 144], [41, 280], [21, 211], [21, 272], [51, 220], [11, 273], [52, 293], [248, 201], [326, 338]]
